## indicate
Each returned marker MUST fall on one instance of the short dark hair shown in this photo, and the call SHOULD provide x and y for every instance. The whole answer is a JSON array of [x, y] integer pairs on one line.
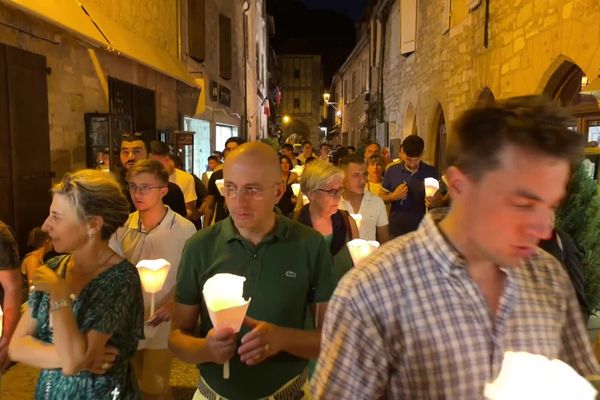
[[214, 158], [135, 136], [353, 148], [149, 166], [353, 158], [376, 159], [339, 154], [531, 122], [287, 146], [323, 145], [370, 142], [159, 148], [305, 142], [235, 139], [413, 146], [284, 157]]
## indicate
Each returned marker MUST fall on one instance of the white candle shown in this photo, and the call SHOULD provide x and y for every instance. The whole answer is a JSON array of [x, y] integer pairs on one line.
[[220, 185], [431, 186], [360, 248], [357, 218], [298, 169], [296, 188]]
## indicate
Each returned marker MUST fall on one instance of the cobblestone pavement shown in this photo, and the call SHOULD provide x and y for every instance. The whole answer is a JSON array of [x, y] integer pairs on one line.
[[19, 382]]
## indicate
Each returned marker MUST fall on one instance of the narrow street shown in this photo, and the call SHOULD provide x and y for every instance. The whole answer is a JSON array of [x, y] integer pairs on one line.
[[19, 382]]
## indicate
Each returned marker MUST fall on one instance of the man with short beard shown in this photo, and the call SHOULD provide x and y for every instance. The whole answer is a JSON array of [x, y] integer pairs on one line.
[[135, 148]]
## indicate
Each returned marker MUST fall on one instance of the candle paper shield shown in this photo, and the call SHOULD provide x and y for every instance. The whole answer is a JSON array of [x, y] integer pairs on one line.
[[298, 169], [223, 295], [296, 188], [431, 186], [153, 274], [209, 174], [1, 321], [360, 248], [526, 376], [220, 185], [357, 218]]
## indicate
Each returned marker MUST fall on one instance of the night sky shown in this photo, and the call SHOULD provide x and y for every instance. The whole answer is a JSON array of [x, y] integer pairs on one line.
[[325, 27], [353, 8]]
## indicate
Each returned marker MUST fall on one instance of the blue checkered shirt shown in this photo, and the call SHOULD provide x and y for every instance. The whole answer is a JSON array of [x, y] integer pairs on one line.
[[411, 324]]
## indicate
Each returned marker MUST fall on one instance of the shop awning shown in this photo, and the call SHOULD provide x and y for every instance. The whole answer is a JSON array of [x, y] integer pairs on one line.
[[134, 47], [90, 24], [66, 14]]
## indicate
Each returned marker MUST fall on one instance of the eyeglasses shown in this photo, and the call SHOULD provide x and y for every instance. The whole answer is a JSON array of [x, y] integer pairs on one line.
[[142, 189], [254, 192], [333, 193]]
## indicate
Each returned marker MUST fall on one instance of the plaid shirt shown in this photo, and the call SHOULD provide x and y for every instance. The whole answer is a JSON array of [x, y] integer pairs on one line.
[[411, 324]]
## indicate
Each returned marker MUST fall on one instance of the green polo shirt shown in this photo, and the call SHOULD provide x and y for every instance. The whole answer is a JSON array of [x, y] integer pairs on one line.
[[289, 270]]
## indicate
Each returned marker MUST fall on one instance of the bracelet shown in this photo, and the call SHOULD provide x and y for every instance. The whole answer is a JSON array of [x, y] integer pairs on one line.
[[58, 304]]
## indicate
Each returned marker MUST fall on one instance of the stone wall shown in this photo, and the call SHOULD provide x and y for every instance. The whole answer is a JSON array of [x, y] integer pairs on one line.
[[76, 84], [528, 41]]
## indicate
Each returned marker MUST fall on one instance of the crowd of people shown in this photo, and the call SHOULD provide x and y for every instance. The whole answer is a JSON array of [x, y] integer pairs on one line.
[[428, 315]]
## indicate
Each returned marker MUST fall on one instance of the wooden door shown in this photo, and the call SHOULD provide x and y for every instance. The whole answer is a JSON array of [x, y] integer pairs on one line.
[[24, 131]]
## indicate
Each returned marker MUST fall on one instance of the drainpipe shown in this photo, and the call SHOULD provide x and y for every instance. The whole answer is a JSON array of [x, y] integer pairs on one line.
[[245, 9]]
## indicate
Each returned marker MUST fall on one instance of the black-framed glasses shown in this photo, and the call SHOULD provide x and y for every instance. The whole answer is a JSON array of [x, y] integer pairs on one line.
[[143, 188], [333, 193]]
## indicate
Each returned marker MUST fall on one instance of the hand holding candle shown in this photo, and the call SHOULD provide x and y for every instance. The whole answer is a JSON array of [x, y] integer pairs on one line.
[[223, 295]]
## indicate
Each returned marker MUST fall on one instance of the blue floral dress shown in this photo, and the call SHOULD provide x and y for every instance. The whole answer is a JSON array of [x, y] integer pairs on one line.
[[110, 303]]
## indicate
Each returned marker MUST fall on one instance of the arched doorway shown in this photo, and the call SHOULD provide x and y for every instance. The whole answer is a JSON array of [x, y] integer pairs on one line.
[[485, 98], [439, 126], [567, 85], [409, 122]]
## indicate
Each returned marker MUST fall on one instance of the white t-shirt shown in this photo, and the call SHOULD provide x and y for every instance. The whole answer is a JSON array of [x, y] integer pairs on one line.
[[134, 243], [373, 212], [185, 181]]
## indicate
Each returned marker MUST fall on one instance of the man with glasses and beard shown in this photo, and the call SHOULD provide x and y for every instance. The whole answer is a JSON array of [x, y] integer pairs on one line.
[[134, 148]]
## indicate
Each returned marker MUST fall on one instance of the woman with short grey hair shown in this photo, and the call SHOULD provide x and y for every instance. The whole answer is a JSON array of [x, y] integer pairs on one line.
[[322, 182]]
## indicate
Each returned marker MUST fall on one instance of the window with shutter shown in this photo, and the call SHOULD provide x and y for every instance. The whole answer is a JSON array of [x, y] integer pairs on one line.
[[408, 26], [225, 47], [197, 30]]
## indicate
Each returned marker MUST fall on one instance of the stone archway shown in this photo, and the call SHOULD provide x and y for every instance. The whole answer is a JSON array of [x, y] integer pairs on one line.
[[485, 98], [441, 138], [409, 121], [566, 84]]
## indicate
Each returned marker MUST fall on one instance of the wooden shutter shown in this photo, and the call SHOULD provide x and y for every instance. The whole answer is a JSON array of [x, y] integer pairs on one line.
[[408, 26], [24, 110], [197, 29], [225, 47]]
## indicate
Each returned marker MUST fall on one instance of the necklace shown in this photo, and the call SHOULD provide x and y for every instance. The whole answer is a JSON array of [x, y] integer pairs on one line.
[[110, 254]]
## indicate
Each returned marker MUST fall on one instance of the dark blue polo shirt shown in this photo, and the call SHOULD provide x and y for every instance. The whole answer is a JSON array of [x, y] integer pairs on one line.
[[406, 214]]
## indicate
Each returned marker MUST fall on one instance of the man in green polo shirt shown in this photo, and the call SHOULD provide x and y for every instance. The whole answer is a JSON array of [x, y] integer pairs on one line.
[[287, 268]]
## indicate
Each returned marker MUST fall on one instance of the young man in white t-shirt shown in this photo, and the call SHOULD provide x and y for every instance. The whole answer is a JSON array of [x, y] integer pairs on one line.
[[374, 222], [153, 231]]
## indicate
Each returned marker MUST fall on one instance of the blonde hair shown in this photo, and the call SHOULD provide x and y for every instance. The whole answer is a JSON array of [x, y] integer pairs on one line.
[[95, 193], [317, 174]]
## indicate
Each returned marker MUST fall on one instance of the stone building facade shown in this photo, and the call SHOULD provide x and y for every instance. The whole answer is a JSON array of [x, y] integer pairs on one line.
[[350, 87], [301, 80], [136, 63], [433, 59]]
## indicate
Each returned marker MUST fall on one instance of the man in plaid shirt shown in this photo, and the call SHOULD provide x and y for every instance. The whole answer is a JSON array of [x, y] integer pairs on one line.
[[431, 314]]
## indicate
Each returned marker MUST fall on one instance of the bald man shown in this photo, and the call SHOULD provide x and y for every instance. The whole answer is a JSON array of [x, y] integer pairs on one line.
[[287, 267]]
